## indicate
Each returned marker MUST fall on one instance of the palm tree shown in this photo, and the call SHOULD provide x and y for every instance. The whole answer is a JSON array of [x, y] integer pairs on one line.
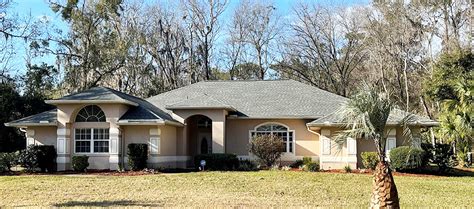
[[365, 116]]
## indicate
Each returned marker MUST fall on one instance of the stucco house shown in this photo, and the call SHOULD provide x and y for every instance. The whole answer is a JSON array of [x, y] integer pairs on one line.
[[205, 117]]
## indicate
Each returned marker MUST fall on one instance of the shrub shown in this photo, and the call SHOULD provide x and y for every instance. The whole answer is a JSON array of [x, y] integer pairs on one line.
[[217, 161], [137, 156], [347, 169], [46, 158], [307, 160], [28, 158], [441, 155], [369, 159], [312, 167], [247, 165], [80, 163], [406, 158], [267, 148], [7, 161], [297, 164]]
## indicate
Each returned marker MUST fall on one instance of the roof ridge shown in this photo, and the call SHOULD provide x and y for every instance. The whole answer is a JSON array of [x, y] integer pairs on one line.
[[247, 80]]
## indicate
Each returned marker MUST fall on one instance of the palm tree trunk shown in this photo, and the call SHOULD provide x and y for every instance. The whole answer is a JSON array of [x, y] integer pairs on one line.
[[384, 191]]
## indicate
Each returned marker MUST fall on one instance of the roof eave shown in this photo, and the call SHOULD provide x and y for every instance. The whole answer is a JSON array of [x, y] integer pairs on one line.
[[147, 122], [56, 102], [22, 125], [417, 123], [201, 108]]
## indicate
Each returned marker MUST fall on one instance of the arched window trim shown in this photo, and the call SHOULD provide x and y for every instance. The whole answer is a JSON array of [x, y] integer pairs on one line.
[[290, 134], [90, 115]]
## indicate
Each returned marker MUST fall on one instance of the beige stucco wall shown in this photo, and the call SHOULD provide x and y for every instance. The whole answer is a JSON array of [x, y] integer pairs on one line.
[[238, 130], [218, 117], [43, 135]]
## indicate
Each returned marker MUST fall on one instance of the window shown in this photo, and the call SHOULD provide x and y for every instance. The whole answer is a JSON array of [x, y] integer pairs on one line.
[[276, 130], [91, 140], [90, 113]]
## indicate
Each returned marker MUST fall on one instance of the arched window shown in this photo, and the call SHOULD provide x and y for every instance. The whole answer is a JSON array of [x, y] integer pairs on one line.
[[278, 130], [90, 113]]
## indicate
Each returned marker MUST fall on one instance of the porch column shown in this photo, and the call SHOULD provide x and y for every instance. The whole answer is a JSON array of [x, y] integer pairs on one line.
[[218, 134], [63, 147], [114, 133], [30, 137]]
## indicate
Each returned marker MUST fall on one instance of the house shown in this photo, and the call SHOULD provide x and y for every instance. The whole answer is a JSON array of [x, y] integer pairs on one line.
[[205, 117]]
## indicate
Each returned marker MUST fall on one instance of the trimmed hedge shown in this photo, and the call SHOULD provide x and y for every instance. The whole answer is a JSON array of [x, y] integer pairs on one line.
[[137, 156], [369, 159], [38, 156], [406, 158], [47, 158], [311, 167], [247, 165], [80, 163], [217, 161]]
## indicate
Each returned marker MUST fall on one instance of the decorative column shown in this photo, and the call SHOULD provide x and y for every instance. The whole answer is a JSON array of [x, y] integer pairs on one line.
[[63, 147], [325, 144], [351, 152], [114, 143], [218, 134]]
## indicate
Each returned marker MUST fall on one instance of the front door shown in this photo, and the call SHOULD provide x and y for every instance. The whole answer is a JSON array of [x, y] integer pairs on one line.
[[205, 143]]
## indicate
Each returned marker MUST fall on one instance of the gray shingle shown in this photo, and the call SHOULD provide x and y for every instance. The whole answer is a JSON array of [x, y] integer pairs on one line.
[[259, 99], [395, 117], [47, 117], [203, 101]]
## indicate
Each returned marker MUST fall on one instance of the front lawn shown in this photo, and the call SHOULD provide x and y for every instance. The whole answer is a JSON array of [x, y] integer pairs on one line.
[[228, 189]]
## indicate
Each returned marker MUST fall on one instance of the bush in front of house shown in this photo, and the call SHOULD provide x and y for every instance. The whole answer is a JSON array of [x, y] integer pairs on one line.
[[80, 163], [406, 158], [217, 161], [311, 167], [38, 156], [46, 158], [28, 158], [7, 161], [369, 160], [247, 165], [137, 156], [441, 155], [267, 148], [297, 164]]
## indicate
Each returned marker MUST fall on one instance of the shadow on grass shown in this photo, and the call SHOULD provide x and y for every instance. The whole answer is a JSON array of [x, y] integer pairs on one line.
[[117, 203], [433, 170]]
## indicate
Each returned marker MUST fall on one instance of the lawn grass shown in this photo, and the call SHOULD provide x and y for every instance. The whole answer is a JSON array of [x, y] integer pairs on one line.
[[228, 189]]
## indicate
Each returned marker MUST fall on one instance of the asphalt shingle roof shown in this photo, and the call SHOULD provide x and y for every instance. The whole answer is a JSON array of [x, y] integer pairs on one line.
[[203, 101], [47, 117], [259, 99], [395, 117]]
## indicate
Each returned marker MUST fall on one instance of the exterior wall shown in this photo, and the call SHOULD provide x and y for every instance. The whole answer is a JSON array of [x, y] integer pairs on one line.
[[166, 155], [218, 118], [65, 135], [238, 136], [42, 135]]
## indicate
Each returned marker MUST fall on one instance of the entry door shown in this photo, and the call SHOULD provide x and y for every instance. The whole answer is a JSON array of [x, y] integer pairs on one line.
[[204, 143]]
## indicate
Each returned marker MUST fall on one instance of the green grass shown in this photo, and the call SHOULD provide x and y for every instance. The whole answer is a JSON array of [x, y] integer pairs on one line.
[[228, 189]]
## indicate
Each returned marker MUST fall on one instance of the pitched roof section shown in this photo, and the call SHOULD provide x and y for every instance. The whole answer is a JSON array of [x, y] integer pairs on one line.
[[395, 117], [47, 118], [96, 95], [203, 101], [258, 99]]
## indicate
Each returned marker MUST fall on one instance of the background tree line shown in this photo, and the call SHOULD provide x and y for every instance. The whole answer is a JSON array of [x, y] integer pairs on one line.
[[144, 48]]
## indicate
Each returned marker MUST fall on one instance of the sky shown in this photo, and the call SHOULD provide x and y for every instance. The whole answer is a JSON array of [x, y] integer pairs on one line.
[[40, 9]]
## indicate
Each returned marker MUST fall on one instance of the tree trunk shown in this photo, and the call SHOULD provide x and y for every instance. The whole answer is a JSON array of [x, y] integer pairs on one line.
[[384, 191]]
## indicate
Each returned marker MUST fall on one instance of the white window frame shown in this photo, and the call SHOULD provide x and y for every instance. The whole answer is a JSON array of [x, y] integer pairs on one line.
[[288, 131], [91, 140]]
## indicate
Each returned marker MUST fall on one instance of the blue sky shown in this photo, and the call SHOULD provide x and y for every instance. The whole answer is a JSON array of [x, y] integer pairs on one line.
[[39, 8]]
